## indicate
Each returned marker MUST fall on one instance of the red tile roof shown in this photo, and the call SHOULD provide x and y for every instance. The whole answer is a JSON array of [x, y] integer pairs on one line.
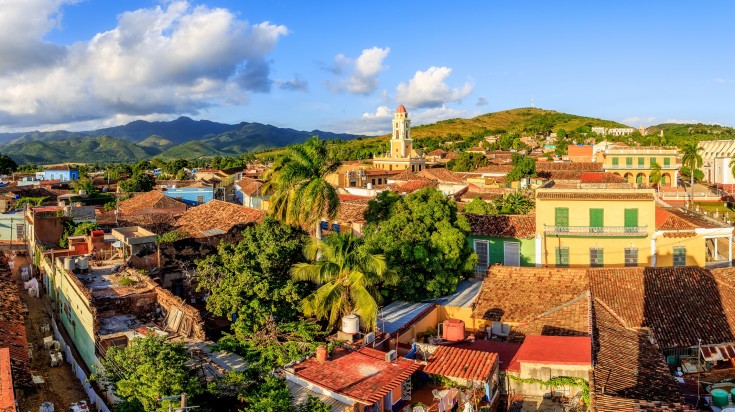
[[454, 362], [352, 211], [443, 175], [451, 155], [7, 396], [515, 226], [216, 214], [250, 186], [151, 202], [381, 172], [407, 176], [601, 177], [436, 152], [680, 219], [506, 351], [680, 305], [497, 169], [531, 296], [363, 375], [556, 350], [569, 166], [411, 186], [12, 325]]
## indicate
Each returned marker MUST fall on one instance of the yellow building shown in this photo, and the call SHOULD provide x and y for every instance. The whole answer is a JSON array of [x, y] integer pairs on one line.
[[402, 155], [595, 227], [635, 163], [598, 227]]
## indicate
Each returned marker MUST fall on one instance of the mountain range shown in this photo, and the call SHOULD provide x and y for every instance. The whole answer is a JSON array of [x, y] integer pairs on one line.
[[180, 138]]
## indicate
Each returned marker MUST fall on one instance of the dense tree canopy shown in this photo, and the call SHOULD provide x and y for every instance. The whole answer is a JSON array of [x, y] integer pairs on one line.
[[251, 278], [467, 162], [147, 368], [140, 182], [523, 166], [480, 207], [424, 240], [7, 165]]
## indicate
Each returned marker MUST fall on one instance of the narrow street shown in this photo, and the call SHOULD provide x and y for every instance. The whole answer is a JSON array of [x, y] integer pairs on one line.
[[61, 385]]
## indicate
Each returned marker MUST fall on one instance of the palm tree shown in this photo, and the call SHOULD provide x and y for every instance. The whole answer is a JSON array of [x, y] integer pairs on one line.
[[348, 276], [302, 194], [655, 176], [693, 160]]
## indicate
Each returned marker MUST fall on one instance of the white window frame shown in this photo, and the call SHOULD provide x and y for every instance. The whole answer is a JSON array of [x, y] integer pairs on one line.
[[480, 242], [506, 261]]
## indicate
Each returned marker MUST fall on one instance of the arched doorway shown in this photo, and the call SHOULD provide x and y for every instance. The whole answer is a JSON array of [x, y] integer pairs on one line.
[[629, 177], [665, 179], [640, 178]]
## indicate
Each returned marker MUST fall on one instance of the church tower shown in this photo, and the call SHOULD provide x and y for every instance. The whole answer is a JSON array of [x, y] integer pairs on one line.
[[402, 155], [401, 143]]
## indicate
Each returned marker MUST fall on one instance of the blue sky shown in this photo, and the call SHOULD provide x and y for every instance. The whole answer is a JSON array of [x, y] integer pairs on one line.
[[345, 66]]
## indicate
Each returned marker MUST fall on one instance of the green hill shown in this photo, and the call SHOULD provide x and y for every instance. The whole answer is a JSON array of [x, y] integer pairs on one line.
[[78, 149]]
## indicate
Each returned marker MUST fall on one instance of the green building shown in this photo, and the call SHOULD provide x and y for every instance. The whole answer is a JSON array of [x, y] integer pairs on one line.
[[508, 240]]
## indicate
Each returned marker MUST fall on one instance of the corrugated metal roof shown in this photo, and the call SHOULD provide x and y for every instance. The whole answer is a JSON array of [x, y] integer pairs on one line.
[[467, 291], [399, 313], [301, 393]]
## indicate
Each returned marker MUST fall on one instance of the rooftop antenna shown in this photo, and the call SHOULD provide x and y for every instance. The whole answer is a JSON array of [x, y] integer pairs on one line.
[[533, 105]]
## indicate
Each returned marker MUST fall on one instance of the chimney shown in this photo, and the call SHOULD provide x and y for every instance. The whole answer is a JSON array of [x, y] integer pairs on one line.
[[321, 353]]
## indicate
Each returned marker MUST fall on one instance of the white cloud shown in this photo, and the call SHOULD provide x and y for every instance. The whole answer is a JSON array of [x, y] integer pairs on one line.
[[481, 101], [362, 72], [635, 120], [172, 59], [428, 89], [382, 112], [436, 114], [723, 81], [680, 121]]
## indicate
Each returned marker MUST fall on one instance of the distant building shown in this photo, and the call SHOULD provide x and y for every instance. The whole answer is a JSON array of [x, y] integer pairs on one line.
[[63, 173], [582, 153], [716, 155], [192, 196], [636, 163], [613, 131], [402, 155]]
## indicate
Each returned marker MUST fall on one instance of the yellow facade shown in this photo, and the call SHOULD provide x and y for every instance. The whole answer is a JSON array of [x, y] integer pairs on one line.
[[634, 164], [694, 250], [588, 227], [402, 155]]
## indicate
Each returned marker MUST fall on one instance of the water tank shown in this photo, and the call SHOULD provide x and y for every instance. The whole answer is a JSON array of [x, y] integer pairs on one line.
[[69, 263], [351, 324], [720, 397], [369, 185], [321, 353], [453, 330], [83, 263]]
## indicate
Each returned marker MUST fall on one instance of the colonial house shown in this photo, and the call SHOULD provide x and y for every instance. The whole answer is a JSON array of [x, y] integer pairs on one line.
[[509, 240]]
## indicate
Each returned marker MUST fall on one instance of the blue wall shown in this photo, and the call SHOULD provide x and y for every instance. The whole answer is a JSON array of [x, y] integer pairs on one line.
[[63, 175], [192, 196]]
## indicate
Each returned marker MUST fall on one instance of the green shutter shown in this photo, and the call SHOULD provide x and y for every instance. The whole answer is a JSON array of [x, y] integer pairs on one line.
[[641, 161], [631, 218], [653, 160], [615, 161], [561, 216], [562, 257], [667, 161], [596, 218], [629, 161]]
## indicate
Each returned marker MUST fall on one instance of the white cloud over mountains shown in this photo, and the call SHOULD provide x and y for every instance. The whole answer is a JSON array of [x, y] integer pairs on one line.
[[172, 59], [429, 89]]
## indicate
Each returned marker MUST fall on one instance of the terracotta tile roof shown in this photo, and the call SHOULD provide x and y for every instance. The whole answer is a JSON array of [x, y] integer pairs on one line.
[[352, 211], [363, 375], [454, 362], [498, 169], [678, 304], [607, 403], [601, 177], [451, 155], [12, 325], [557, 350], [58, 167], [628, 366], [436, 152], [151, 202], [680, 219], [506, 351], [250, 186], [221, 216], [406, 176], [7, 395], [569, 319], [411, 186], [380, 172], [523, 295], [442, 175], [595, 195], [516, 226], [569, 166]]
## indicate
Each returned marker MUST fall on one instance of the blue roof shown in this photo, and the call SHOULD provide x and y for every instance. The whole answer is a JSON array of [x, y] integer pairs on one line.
[[467, 291], [399, 313]]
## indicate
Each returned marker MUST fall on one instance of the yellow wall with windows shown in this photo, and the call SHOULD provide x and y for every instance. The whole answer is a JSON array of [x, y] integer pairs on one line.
[[695, 250], [613, 244]]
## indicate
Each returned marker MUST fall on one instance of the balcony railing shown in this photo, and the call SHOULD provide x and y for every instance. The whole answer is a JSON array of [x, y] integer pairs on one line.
[[591, 231], [641, 167]]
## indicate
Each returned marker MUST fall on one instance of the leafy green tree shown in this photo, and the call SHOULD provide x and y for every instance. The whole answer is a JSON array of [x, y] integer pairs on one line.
[[561, 134], [174, 166], [467, 162], [348, 275], [147, 368], [141, 182], [251, 278], [425, 241], [85, 184], [523, 166], [142, 166], [693, 160], [271, 395], [313, 404], [302, 194], [514, 203], [30, 201], [7, 165], [480, 207]]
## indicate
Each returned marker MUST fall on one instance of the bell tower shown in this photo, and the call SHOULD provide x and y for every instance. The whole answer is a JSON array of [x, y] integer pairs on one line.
[[401, 143]]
